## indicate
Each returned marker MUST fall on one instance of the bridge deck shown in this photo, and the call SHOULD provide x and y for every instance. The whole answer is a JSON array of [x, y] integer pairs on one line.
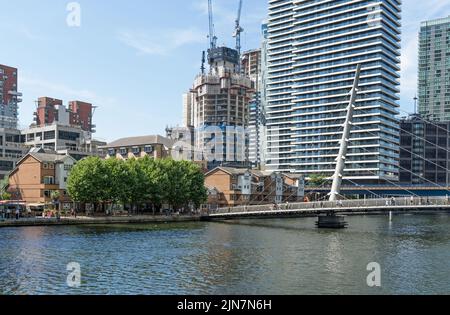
[[352, 206]]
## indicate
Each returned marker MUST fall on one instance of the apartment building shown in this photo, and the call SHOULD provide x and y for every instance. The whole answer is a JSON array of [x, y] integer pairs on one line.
[[314, 48], [77, 114], [252, 67], [39, 174], [9, 97], [156, 147], [230, 187], [434, 69]]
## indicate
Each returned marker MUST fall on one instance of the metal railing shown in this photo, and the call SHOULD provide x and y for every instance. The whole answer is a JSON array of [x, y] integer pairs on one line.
[[391, 203]]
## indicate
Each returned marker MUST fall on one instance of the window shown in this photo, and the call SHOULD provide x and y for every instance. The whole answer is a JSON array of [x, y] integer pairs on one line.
[[51, 166], [45, 166], [148, 149], [136, 150], [47, 193], [123, 151], [111, 152], [49, 135], [49, 180], [67, 167]]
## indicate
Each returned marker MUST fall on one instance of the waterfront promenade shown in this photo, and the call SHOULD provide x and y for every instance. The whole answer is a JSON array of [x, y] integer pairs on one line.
[[64, 221]]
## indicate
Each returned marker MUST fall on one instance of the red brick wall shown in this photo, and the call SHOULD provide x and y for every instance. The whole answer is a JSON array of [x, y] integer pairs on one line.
[[10, 84]]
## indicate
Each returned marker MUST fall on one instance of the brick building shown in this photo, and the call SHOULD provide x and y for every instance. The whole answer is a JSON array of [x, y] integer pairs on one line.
[[37, 175], [230, 187], [156, 147], [9, 97], [51, 110]]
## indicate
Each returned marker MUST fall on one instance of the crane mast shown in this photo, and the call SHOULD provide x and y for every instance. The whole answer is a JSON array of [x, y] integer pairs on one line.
[[238, 29], [212, 32]]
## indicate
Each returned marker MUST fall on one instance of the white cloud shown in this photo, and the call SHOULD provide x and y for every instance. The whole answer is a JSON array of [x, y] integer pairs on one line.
[[160, 42], [43, 87]]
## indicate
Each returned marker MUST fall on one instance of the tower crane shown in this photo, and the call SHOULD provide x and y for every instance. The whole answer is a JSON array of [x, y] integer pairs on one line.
[[238, 29], [212, 32]]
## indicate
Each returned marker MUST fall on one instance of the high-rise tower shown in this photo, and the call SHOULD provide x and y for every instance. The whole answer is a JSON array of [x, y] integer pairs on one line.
[[217, 108], [313, 51], [434, 69], [9, 97]]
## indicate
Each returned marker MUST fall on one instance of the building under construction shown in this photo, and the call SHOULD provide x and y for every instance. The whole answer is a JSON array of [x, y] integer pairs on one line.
[[217, 105]]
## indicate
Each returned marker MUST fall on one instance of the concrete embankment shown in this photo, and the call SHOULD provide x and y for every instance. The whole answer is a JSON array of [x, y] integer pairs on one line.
[[98, 220]]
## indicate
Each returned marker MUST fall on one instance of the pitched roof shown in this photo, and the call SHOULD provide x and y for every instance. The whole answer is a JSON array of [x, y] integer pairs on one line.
[[47, 157], [240, 171], [43, 158], [138, 141]]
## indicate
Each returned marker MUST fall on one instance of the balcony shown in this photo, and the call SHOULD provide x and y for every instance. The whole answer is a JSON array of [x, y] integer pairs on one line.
[[15, 93]]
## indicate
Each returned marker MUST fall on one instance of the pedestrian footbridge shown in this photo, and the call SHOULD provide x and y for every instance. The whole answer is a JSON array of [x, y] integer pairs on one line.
[[339, 207]]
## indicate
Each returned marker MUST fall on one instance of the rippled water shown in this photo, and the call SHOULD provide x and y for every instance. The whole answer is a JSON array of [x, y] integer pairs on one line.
[[287, 256]]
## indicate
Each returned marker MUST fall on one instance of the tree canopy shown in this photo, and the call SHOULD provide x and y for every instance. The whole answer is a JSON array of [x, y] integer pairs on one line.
[[137, 181]]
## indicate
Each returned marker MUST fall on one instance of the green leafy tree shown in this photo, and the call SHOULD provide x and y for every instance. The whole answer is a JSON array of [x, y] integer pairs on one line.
[[6, 195], [318, 180], [137, 181], [89, 182]]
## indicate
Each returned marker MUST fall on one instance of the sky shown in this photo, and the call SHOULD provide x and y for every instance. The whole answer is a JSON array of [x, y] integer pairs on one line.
[[135, 58]]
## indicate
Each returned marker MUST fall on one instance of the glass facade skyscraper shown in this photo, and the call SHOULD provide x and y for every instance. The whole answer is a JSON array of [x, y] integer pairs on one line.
[[314, 47], [434, 69]]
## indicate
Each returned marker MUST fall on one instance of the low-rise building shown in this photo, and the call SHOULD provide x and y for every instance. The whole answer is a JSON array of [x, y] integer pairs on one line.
[[61, 138], [12, 149], [230, 187], [156, 147], [39, 174]]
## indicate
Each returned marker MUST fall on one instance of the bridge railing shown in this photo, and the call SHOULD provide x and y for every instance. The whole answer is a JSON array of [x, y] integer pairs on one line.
[[327, 205]]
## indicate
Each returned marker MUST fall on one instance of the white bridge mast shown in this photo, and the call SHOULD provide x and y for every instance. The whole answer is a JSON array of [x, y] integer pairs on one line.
[[340, 166]]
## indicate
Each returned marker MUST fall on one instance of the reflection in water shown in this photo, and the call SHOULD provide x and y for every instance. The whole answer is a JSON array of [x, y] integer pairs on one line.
[[286, 256]]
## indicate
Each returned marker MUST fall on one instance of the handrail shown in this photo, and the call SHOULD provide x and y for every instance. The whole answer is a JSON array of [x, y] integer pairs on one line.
[[329, 205]]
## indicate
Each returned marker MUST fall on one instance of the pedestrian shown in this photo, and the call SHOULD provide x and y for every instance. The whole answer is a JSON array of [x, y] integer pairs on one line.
[[412, 200], [393, 201], [17, 213], [8, 213]]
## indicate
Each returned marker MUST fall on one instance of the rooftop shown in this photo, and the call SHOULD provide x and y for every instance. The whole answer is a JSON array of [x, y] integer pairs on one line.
[[436, 22], [48, 157], [139, 141]]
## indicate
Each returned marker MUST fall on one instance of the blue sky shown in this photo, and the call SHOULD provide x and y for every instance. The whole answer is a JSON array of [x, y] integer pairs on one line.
[[135, 58]]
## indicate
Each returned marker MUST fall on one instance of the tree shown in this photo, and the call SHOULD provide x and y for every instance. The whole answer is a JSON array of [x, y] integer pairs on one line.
[[318, 180], [6, 195], [3, 188], [198, 193], [137, 181], [90, 182], [55, 196]]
